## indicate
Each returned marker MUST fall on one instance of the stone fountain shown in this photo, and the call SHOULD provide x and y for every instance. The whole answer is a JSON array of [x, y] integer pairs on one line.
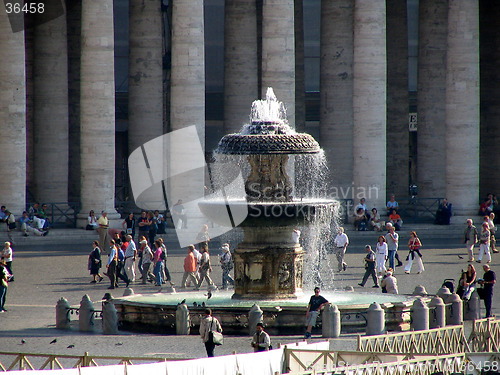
[[269, 260]]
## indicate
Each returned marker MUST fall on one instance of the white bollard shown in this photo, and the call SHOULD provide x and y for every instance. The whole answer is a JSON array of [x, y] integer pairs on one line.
[[86, 321], [63, 320], [330, 321], [454, 314], [419, 315], [437, 315], [375, 320], [255, 315], [472, 307], [444, 293], [109, 319], [182, 320], [420, 291]]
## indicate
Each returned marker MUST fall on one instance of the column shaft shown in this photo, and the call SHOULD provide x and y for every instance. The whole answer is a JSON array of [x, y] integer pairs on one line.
[[369, 101], [97, 116], [397, 99], [278, 52], [431, 98], [51, 130], [12, 117], [490, 98], [462, 106], [145, 109], [187, 108], [336, 89], [240, 68]]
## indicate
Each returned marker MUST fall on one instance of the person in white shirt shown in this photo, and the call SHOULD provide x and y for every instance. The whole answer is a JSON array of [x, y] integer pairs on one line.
[[130, 255], [341, 242], [261, 341], [362, 204], [381, 254], [493, 229]]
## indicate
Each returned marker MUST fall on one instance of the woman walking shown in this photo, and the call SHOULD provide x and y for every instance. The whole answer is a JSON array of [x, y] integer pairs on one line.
[[147, 259], [226, 262], [4, 283], [158, 264], [95, 264], [484, 243], [381, 255], [205, 267], [414, 255], [6, 257]]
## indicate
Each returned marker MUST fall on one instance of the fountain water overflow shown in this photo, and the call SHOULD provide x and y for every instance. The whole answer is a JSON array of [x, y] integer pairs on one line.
[[269, 262]]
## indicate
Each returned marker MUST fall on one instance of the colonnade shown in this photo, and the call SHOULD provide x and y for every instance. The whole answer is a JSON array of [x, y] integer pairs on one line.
[[361, 130]]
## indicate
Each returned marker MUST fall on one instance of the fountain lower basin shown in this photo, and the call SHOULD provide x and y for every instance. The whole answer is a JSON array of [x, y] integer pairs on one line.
[[156, 312]]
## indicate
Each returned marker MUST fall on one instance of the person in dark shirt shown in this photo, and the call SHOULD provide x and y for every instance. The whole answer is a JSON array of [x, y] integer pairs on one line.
[[489, 279], [316, 303]]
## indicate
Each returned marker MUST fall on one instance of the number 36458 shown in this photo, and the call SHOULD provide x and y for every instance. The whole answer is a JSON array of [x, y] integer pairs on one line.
[[32, 7]]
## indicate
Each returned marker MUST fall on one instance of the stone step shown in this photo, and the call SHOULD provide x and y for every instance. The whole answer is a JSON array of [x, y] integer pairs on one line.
[[69, 235]]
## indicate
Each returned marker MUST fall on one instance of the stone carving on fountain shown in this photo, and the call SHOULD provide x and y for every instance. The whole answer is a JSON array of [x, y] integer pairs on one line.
[[268, 262]]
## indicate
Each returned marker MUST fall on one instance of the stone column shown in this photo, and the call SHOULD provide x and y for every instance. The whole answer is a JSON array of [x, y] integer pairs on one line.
[[145, 84], [462, 106], [187, 105], [97, 105], [431, 98], [300, 84], [490, 98], [336, 89], [278, 52], [12, 117], [51, 123], [397, 99], [240, 68], [369, 101]]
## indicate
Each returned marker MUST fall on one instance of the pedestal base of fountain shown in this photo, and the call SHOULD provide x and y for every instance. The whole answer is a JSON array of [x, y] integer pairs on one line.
[[267, 266]]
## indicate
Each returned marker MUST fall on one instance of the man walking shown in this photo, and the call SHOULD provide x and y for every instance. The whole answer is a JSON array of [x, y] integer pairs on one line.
[[207, 324], [470, 239], [130, 255], [190, 265], [341, 242], [489, 279], [316, 303], [104, 237], [261, 340], [370, 264], [392, 239]]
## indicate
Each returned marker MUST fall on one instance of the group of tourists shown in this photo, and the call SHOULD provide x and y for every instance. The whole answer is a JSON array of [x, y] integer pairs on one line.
[[198, 267], [126, 260], [33, 221]]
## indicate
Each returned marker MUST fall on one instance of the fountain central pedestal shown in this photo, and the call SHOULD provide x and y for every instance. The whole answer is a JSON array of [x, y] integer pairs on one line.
[[268, 264]]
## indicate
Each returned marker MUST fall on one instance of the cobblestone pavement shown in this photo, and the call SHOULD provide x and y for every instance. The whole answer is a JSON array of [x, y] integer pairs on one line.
[[44, 274]]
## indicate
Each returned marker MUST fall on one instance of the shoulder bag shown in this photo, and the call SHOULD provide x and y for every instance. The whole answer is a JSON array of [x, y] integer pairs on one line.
[[214, 336]]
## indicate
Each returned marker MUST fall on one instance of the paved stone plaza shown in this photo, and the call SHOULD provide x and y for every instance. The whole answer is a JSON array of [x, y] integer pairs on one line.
[[47, 271]]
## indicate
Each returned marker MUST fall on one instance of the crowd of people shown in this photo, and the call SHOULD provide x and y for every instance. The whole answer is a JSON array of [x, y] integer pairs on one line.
[[145, 260], [33, 221]]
